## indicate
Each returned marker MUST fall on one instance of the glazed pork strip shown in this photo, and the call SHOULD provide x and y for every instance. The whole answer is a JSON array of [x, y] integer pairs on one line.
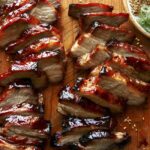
[[25, 129], [132, 56], [91, 89], [134, 91], [108, 33], [24, 70], [102, 139], [119, 64], [10, 27], [99, 34], [16, 9], [32, 126], [74, 123], [6, 145], [14, 96], [109, 18], [73, 105], [45, 12], [75, 128], [31, 35], [51, 63], [20, 139], [94, 58], [43, 44], [76, 10]]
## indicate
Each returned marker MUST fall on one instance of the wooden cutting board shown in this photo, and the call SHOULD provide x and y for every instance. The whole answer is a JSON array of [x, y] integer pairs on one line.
[[135, 120]]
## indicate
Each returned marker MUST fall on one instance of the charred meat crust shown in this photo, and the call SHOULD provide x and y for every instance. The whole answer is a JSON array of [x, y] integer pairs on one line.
[[104, 138], [31, 35], [112, 19], [76, 10], [68, 98], [74, 128], [121, 85], [91, 89], [70, 123]]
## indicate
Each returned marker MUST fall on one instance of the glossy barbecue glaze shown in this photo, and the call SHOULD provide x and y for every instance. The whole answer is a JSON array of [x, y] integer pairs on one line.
[[90, 89], [72, 104], [31, 35], [112, 19], [74, 128], [76, 10]]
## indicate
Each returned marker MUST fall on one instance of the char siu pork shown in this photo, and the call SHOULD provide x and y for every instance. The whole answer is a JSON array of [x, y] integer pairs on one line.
[[102, 140], [24, 70], [29, 125], [74, 128], [31, 35], [76, 10], [7, 145], [45, 12], [10, 27], [49, 53], [134, 91], [43, 44], [73, 105], [99, 35], [132, 56], [109, 18], [94, 58], [91, 89]]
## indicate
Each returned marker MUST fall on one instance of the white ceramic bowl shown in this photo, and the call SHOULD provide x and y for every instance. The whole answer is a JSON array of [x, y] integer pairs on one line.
[[129, 6]]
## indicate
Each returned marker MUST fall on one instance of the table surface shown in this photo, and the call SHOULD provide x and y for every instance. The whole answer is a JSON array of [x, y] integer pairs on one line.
[[135, 120]]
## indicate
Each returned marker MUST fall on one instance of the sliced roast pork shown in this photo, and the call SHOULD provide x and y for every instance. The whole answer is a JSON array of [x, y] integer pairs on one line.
[[73, 105], [24, 70], [32, 126], [75, 128], [109, 18], [102, 140], [132, 56], [17, 8], [43, 44], [117, 83], [91, 89], [94, 58], [18, 101], [45, 12], [108, 33], [76, 10], [10, 27], [7, 145], [20, 139], [99, 35], [31, 35], [50, 62], [119, 64]]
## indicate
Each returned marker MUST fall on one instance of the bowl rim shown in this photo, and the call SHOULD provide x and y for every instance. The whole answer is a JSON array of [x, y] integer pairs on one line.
[[134, 21]]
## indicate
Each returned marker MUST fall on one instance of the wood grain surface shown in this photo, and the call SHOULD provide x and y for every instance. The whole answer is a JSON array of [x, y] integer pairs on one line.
[[136, 121]]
